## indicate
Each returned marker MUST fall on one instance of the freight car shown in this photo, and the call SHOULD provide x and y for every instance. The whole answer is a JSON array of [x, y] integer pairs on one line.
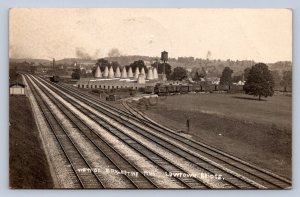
[[149, 90], [184, 89]]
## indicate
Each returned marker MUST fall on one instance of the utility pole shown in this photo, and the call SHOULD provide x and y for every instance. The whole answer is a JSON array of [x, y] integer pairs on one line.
[[188, 124], [53, 64]]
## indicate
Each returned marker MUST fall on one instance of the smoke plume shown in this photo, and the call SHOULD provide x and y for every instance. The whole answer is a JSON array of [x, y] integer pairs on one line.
[[114, 52], [82, 54]]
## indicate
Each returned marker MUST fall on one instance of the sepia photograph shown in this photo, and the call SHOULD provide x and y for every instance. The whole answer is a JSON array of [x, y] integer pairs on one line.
[[150, 98]]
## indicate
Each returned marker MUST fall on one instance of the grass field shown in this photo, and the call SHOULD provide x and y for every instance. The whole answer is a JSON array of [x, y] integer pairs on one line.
[[257, 131], [28, 166]]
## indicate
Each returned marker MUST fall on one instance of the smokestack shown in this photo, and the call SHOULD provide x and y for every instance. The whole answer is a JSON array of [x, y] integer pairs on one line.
[[124, 73], [143, 71], [118, 73], [130, 74], [141, 79], [150, 74], [155, 75], [105, 72], [136, 73], [98, 73], [111, 74]]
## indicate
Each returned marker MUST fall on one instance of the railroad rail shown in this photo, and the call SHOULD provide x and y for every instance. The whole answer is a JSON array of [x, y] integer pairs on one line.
[[162, 163], [71, 153], [108, 150], [237, 173]]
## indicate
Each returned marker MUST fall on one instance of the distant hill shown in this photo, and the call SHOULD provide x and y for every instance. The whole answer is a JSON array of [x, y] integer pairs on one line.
[[35, 61], [70, 61]]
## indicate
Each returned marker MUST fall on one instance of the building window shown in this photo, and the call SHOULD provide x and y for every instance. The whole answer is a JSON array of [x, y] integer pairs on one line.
[[112, 87]]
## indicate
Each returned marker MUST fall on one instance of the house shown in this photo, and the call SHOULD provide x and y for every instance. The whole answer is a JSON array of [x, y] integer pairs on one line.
[[17, 89]]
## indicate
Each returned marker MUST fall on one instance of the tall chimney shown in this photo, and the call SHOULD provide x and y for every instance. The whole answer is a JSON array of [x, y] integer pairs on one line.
[[150, 74], [98, 73], [130, 74], [105, 72], [136, 73], [124, 73], [118, 73], [155, 75], [143, 71], [141, 79], [111, 74]]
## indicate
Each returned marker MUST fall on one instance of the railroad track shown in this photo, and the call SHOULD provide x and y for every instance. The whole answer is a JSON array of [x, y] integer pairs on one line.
[[162, 163], [70, 152], [107, 150], [268, 178], [238, 173], [231, 181]]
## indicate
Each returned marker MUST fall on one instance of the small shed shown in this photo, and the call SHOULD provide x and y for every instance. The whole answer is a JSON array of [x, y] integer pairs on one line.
[[17, 89]]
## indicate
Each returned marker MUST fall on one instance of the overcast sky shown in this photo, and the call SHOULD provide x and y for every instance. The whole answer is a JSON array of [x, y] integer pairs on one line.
[[245, 34]]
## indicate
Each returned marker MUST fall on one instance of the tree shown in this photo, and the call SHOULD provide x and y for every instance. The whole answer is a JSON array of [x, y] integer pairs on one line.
[[259, 81], [115, 65], [196, 76], [13, 75], [246, 73], [204, 73], [286, 80], [139, 63], [76, 74], [237, 78], [226, 78], [160, 68], [102, 63], [179, 73], [276, 78]]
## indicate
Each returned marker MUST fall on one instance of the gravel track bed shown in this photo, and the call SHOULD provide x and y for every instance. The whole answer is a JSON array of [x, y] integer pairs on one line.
[[90, 153], [188, 167], [128, 152], [56, 159]]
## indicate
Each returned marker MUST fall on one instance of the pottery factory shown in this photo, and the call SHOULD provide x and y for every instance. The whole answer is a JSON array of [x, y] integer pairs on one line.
[[110, 79]]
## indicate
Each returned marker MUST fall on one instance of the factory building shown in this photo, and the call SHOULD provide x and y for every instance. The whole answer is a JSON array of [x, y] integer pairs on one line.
[[117, 80]]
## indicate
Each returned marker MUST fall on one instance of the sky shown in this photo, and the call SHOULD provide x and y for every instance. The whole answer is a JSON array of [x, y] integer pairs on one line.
[[262, 35]]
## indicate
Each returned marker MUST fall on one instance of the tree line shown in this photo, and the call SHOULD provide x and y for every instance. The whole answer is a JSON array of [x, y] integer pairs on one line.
[[259, 80]]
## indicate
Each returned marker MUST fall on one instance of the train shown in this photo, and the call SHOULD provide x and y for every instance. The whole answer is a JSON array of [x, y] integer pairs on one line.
[[184, 89]]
